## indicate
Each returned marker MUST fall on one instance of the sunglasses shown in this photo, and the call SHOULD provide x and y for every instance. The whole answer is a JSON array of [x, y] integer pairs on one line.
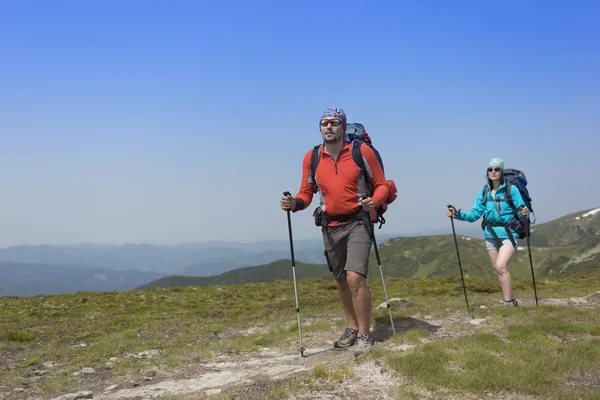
[[495, 169], [333, 122]]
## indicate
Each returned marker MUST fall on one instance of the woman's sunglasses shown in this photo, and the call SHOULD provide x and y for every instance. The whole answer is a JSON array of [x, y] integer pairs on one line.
[[333, 122], [495, 169]]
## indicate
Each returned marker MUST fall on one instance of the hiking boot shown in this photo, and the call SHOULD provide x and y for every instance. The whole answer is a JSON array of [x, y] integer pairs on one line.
[[511, 303], [363, 344], [347, 339]]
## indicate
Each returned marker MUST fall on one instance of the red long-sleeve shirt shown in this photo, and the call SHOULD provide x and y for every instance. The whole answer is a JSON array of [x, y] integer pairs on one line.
[[338, 181]]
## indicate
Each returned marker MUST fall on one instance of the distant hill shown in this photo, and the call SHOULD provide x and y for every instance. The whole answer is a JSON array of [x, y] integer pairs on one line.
[[281, 269], [204, 259], [20, 279], [567, 244], [435, 256], [573, 229]]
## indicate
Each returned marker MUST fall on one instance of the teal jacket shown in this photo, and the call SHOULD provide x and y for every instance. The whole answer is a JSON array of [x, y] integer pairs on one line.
[[494, 211]]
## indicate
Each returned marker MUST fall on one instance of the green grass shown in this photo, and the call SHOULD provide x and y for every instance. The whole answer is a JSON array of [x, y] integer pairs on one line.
[[410, 336], [19, 337], [529, 350], [337, 373], [530, 353]]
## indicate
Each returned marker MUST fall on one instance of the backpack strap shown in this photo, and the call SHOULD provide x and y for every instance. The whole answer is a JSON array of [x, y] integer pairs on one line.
[[357, 155], [364, 174], [490, 226], [486, 188], [314, 162], [508, 197], [358, 160]]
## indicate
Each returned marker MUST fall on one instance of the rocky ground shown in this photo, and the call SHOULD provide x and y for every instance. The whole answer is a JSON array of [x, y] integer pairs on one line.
[[323, 372]]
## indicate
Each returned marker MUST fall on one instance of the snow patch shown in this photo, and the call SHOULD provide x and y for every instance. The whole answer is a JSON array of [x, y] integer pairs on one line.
[[577, 218], [590, 213]]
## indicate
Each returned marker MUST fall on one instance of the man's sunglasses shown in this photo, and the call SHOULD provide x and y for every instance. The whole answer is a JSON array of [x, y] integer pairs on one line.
[[333, 122], [495, 169]]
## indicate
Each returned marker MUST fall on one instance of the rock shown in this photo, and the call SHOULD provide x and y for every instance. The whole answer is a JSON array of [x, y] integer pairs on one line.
[[477, 321], [88, 371], [483, 307], [75, 374], [108, 389], [48, 365], [393, 301], [147, 378], [113, 359], [211, 392], [19, 389], [110, 365], [78, 346], [147, 354], [75, 396], [403, 347]]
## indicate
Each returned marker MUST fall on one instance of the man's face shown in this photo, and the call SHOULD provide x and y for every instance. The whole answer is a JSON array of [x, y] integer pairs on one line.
[[332, 129]]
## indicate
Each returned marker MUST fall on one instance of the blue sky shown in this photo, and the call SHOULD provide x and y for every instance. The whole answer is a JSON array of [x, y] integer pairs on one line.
[[170, 122]]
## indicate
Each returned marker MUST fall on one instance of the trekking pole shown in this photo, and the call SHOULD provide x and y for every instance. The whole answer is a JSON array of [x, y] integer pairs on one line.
[[294, 274], [387, 302], [459, 263], [530, 261]]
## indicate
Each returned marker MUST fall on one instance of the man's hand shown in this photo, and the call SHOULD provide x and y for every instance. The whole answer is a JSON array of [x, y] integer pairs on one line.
[[288, 203], [451, 212], [524, 211], [367, 203]]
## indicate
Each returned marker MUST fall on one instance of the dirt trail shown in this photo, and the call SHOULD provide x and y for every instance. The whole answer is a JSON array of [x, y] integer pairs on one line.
[[252, 374]]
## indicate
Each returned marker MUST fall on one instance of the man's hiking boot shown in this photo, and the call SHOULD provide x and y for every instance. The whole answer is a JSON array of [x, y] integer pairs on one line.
[[511, 303], [347, 339], [363, 344]]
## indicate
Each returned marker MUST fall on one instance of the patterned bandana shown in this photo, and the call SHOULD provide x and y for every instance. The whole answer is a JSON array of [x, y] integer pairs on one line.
[[336, 112], [496, 162]]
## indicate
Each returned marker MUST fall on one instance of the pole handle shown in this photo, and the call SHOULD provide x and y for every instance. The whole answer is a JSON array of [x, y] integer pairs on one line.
[[450, 206]]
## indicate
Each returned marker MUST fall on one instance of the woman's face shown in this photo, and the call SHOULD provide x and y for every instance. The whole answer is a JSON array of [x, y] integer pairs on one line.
[[494, 173]]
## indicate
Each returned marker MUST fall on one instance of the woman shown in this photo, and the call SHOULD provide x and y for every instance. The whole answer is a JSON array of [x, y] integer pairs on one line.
[[501, 223]]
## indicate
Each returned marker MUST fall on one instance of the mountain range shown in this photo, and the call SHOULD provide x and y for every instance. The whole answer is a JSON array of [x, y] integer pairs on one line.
[[567, 243]]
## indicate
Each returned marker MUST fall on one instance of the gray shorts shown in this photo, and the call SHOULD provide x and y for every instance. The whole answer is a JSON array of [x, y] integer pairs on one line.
[[347, 248], [495, 244]]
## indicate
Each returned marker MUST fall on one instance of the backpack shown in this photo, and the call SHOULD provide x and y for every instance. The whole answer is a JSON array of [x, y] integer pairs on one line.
[[517, 178], [358, 135]]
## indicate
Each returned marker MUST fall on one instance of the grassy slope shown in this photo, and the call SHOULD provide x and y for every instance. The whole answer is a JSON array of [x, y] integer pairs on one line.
[[567, 230], [529, 350], [281, 269], [425, 256], [436, 256], [553, 243]]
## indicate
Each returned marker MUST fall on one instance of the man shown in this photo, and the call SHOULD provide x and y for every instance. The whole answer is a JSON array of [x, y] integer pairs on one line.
[[345, 226]]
